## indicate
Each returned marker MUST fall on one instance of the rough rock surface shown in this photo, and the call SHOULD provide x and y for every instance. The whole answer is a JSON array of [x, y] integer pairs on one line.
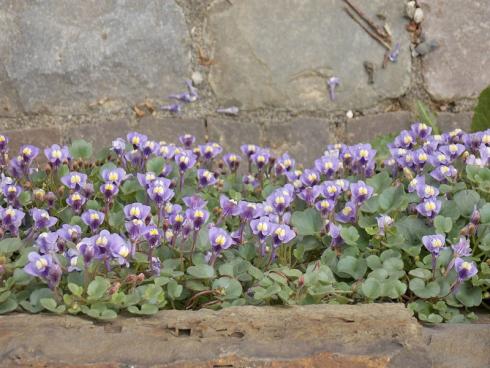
[[280, 53], [61, 56], [366, 128], [311, 336], [460, 67]]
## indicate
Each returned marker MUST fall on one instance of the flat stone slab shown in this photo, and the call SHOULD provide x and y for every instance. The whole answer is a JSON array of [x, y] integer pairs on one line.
[[374, 335], [460, 67], [62, 56], [280, 53], [365, 128]]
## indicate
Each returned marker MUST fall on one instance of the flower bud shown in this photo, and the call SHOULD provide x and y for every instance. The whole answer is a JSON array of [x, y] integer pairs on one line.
[[50, 198], [475, 217], [39, 194]]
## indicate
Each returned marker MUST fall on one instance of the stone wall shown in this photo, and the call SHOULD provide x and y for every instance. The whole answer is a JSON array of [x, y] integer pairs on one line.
[[97, 69]]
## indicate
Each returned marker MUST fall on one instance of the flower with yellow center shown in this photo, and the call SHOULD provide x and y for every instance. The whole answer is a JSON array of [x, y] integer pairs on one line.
[[153, 232], [312, 177], [198, 214], [363, 191], [441, 157], [430, 206], [429, 190], [56, 154], [134, 211], [347, 155], [10, 212], [113, 176], [109, 187], [184, 160], [287, 163], [437, 243], [12, 189], [94, 216], [101, 241], [124, 251], [486, 139], [41, 263], [2, 138], [27, 151], [76, 197], [179, 218], [347, 211], [407, 139], [158, 190], [220, 240], [280, 200], [423, 157], [280, 232], [363, 153], [324, 204], [466, 266], [75, 179], [260, 158], [444, 169], [135, 140], [328, 165], [169, 234], [232, 158], [262, 226], [332, 189], [251, 148]]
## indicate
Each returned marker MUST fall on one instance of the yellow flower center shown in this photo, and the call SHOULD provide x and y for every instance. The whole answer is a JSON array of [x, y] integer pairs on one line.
[[407, 139], [262, 226], [12, 189], [158, 190], [75, 179], [94, 216], [41, 263], [332, 189], [441, 158], [124, 251], [437, 243], [280, 200], [198, 214], [109, 187], [429, 190], [76, 197], [423, 157], [444, 169], [324, 204], [363, 191], [466, 266], [113, 176], [135, 140], [220, 240], [363, 153], [26, 151], [184, 160], [56, 154], [179, 218], [328, 165], [280, 232], [261, 158], [101, 241], [10, 212], [153, 232], [430, 206], [312, 177], [346, 211], [134, 211]]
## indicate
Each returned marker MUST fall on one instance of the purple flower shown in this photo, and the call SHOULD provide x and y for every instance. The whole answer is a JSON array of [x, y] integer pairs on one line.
[[76, 201], [135, 158], [168, 151], [310, 177], [187, 140], [28, 153], [44, 267], [72, 258], [327, 165], [430, 207], [325, 206], [331, 190], [174, 108], [249, 149], [109, 190], [219, 239], [11, 192], [136, 139], [261, 158], [405, 139], [47, 242], [348, 214], [462, 248], [360, 192], [56, 155], [150, 147], [118, 146], [70, 233], [228, 206], [153, 236], [310, 194], [4, 140], [434, 243], [146, 179], [384, 221], [280, 200], [87, 250], [11, 219], [176, 221], [155, 266], [282, 234], [185, 160], [284, 163], [334, 233], [198, 217], [262, 227], [136, 211], [438, 158], [74, 180], [332, 84], [135, 228], [120, 250], [249, 210], [250, 180], [206, 177], [232, 161], [420, 130], [415, 182], [426, 191], [115, 176], [160, 193], [210, 150], [194, 202], [452, 150], [42, 219], [393, 55], [465, 270], [93, 219]]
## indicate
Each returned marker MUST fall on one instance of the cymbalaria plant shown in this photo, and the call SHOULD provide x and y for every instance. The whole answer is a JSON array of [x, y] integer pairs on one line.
[[149, 225]]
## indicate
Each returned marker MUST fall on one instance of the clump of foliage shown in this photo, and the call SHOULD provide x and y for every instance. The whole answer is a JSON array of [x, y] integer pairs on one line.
[[150, 225]]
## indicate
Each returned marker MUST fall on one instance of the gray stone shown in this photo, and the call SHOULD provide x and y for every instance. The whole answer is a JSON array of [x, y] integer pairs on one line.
[[459, 345], [287, 337], [365, 128], [62, 56], [232, 133], [304, 138], [39, 137], [460, 67], [169, 129], [449, 121], [280, 53], [100, 135]]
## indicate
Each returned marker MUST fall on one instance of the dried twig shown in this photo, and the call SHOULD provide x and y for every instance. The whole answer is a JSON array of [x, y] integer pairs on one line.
[[368, 31], [379, 30]]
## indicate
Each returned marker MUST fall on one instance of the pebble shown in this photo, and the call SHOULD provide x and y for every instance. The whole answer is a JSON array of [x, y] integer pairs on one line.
[[418, 16], [410, 9], [197, 78], [425, 47]]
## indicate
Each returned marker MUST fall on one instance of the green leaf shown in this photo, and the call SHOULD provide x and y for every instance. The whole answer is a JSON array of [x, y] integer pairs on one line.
[[231, 288], [51, 305], [393, 198], [202, 271], [485, 214], [97, 288], [469, 295], [466, 200], [424, 291], [81, 149], [371, 288], [308, 222], [10, 245], [155, 165], [443, 224], [349, 234], [131, 186], [427, 117], [174, 290], [354, 267], [75, 289], [392, 288], [421, 273], [8, 306], [481, 117], [146, 309], [380, 181]]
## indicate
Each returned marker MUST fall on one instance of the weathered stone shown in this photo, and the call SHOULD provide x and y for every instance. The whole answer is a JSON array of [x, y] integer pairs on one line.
[[449, 121], [39, 137], [232, 133], [304, 138], [280, 53], [460, 67], [100, 135], [365, 128], [459, 345], [9, 102], [308, 336], [169, 129], [61, 56]]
